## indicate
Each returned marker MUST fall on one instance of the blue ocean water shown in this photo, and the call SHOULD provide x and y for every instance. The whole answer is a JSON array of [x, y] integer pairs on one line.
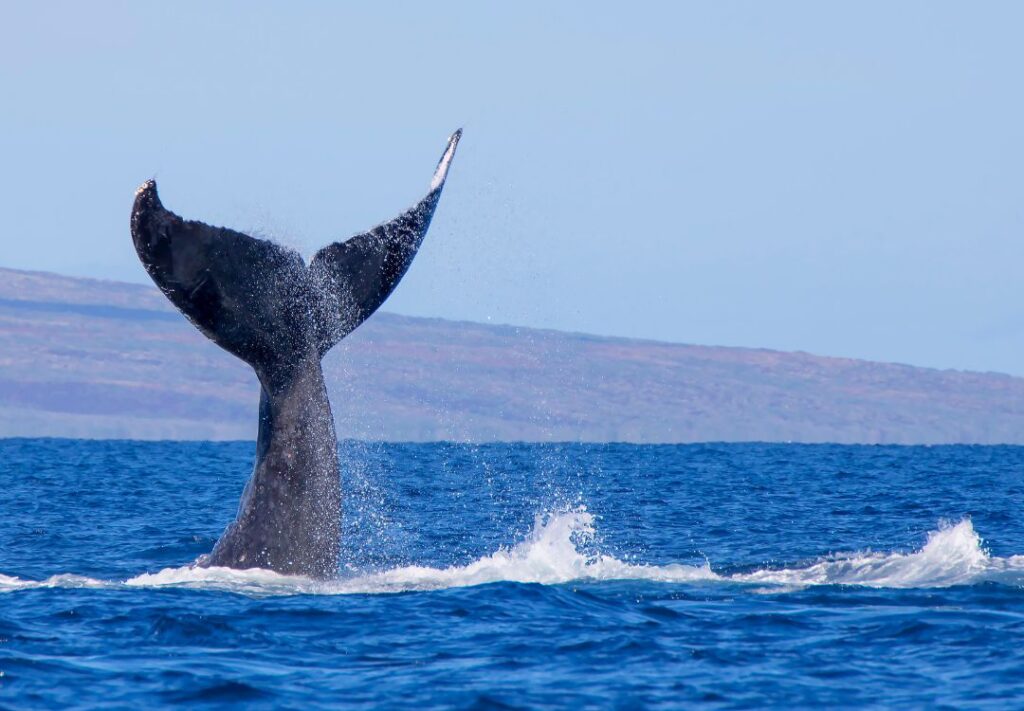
[[522, 576]]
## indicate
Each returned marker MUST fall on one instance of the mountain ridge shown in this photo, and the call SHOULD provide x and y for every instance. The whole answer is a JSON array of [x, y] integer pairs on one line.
[[99, 358]]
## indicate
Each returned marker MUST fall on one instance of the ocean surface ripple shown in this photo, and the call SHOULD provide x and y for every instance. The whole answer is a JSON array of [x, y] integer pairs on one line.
[[518, 576]]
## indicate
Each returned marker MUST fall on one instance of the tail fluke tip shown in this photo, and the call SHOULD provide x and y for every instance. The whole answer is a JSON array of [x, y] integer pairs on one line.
[[442, 167]]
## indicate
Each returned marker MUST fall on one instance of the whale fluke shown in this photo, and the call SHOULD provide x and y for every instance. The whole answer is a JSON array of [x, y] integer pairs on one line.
[[256, 298], [259, 301], [361, 272], [243, 293]]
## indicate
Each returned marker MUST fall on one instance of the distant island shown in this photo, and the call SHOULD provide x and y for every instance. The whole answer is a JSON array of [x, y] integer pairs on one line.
[[102, 359]]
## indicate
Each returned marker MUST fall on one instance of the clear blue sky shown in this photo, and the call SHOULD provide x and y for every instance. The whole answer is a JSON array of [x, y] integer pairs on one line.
[[845, 180]]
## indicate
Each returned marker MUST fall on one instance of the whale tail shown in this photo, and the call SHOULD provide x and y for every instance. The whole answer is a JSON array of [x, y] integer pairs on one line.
[[258, 300]]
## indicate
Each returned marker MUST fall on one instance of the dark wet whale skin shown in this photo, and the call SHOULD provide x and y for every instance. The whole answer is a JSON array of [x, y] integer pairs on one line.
[[289, 515], [259, 301]]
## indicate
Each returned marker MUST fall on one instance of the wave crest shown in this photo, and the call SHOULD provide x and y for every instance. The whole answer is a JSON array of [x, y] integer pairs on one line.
[[557, 550], [952, 555]]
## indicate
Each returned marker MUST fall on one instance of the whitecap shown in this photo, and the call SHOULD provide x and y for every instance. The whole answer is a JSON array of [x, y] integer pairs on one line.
[[952, 555], [561, 548]]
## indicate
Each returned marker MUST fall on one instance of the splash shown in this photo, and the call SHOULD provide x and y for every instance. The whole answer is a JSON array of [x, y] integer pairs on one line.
[[553, 553], [561, 548], [952, 555]]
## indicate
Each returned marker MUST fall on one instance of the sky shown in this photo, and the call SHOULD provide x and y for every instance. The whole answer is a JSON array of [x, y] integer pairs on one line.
[[844, 179]]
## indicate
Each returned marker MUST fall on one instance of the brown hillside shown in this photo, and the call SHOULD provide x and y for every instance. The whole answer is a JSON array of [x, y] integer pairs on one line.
[[86, 358]]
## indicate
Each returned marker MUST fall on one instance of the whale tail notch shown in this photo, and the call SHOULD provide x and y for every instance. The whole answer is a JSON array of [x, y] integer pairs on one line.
[[257, 299]]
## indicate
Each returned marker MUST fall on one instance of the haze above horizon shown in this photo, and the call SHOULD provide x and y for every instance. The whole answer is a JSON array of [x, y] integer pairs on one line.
[[839, 180]]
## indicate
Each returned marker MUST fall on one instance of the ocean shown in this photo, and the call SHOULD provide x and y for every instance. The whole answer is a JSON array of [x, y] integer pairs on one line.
[[522, 576]]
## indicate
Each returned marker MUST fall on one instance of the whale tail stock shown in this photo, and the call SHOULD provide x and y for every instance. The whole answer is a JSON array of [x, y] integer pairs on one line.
[[258, 300]]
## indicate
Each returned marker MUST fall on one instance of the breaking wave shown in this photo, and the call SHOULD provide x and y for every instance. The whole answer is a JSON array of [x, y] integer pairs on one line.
[[559, 548], [952, 555]]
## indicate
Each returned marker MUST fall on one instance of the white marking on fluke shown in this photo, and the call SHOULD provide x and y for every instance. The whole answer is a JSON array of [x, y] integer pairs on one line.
[[442, 168]]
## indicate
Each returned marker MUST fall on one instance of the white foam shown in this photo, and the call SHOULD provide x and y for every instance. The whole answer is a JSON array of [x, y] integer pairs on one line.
[[64, 580], [549, 555], [253, 581], [953, 554], [561, 548]]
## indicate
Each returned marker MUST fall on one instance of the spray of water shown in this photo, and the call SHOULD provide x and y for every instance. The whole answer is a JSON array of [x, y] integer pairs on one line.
[[560, 548]]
